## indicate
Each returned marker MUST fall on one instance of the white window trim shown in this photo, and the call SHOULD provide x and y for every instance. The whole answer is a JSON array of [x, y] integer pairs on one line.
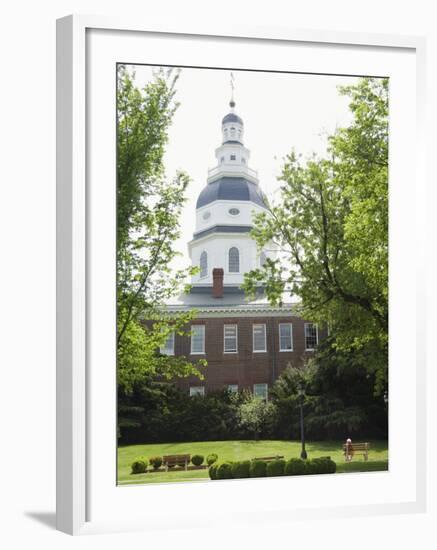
[[240, 257], [305, 335], [253, 338], [229, 386], [291, 335], [193, 394], [236, 338], [191, 341], [200, 267], [267, 390], [163, 351]]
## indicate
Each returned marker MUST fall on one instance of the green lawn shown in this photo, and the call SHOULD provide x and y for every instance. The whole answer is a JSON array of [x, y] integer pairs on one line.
[[242, 450]]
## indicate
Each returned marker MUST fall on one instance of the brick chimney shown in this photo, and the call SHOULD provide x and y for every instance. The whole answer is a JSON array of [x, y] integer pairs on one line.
[[217, 282]]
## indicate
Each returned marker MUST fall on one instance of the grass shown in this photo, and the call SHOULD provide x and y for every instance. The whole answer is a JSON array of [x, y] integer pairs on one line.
[[242, 450]]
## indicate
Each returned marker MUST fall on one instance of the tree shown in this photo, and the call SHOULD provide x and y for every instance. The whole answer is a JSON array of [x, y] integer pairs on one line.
[[254, 414], [148, 211], [331, 229], [338, 397], [286, 398]]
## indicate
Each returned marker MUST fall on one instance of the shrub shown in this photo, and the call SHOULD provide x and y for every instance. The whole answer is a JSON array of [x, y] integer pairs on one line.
[[210, 459], [331, 466], [155, 461], [139, 466], [276, 468], [313, 466], [224, 471], [212, 470], [258, 468], [240, 469], [197, 460], [295, 467], [322, 465]]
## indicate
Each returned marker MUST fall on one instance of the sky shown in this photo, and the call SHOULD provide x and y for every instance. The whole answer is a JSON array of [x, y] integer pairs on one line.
[[280, 111]]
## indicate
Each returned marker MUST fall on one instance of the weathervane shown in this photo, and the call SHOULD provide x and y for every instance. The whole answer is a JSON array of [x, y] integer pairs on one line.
[[232, 102]]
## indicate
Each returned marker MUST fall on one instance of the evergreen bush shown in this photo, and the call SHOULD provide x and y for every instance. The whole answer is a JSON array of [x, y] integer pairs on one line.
[[276, 468], [197, 460], [258, 468], [241, 469], [295, 467], [139, 466], [224, 471], [210, 459], [212, 470], [156, 462]]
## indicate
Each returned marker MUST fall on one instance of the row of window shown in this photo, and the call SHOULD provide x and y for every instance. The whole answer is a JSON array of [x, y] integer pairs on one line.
[[233, 261], [259, 390], [233, 133], [259, 338], [232, 157]]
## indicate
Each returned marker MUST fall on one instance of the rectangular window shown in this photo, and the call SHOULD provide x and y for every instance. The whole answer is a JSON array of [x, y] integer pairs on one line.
[[311, 336], [197, 339], [230, 337], [285, 337], [233, 388], [197, 390], [259, 338], [168, 347], [260, 390]]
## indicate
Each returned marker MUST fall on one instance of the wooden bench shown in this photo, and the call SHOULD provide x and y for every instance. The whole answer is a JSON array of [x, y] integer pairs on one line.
[[269, 458], [356, 448], [170, 461]]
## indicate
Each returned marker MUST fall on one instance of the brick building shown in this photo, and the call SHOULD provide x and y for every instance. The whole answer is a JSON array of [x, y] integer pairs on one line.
[[247, 343]]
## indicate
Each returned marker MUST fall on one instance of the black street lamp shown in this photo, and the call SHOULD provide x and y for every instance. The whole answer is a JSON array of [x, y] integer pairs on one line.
[[301, 394]]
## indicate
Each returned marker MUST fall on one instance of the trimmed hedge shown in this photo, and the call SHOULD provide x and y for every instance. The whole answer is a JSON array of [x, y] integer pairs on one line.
[[224, 471], [240, 469], [212, 470], [197, 460], [139, 466], [210, 459], [295, 467], [156, 462], [275, 468], [260, 468], [322, 465]]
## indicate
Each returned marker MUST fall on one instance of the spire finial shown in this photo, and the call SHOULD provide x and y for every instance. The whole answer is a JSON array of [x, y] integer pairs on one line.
[[232, 102]]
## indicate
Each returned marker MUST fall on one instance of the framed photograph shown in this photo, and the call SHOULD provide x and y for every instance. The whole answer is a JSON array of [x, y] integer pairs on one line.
[[240, 328]]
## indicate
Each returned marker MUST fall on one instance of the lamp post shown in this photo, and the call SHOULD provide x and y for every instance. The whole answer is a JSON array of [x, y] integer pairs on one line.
[[301, 394]]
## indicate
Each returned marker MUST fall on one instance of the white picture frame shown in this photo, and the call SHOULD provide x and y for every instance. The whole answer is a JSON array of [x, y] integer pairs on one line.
[[75, 310]]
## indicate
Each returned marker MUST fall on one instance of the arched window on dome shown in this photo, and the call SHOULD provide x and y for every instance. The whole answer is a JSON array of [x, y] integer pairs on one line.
[[203, 264], [234, 260], [232, 132]]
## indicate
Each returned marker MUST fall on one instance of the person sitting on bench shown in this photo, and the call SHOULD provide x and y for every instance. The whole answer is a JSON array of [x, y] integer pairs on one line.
[[349, 451]]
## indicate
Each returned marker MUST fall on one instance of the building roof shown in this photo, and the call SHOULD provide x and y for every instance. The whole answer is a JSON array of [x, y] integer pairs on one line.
[[231, 189], [222, 229], [233, 301], [232, 117]]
